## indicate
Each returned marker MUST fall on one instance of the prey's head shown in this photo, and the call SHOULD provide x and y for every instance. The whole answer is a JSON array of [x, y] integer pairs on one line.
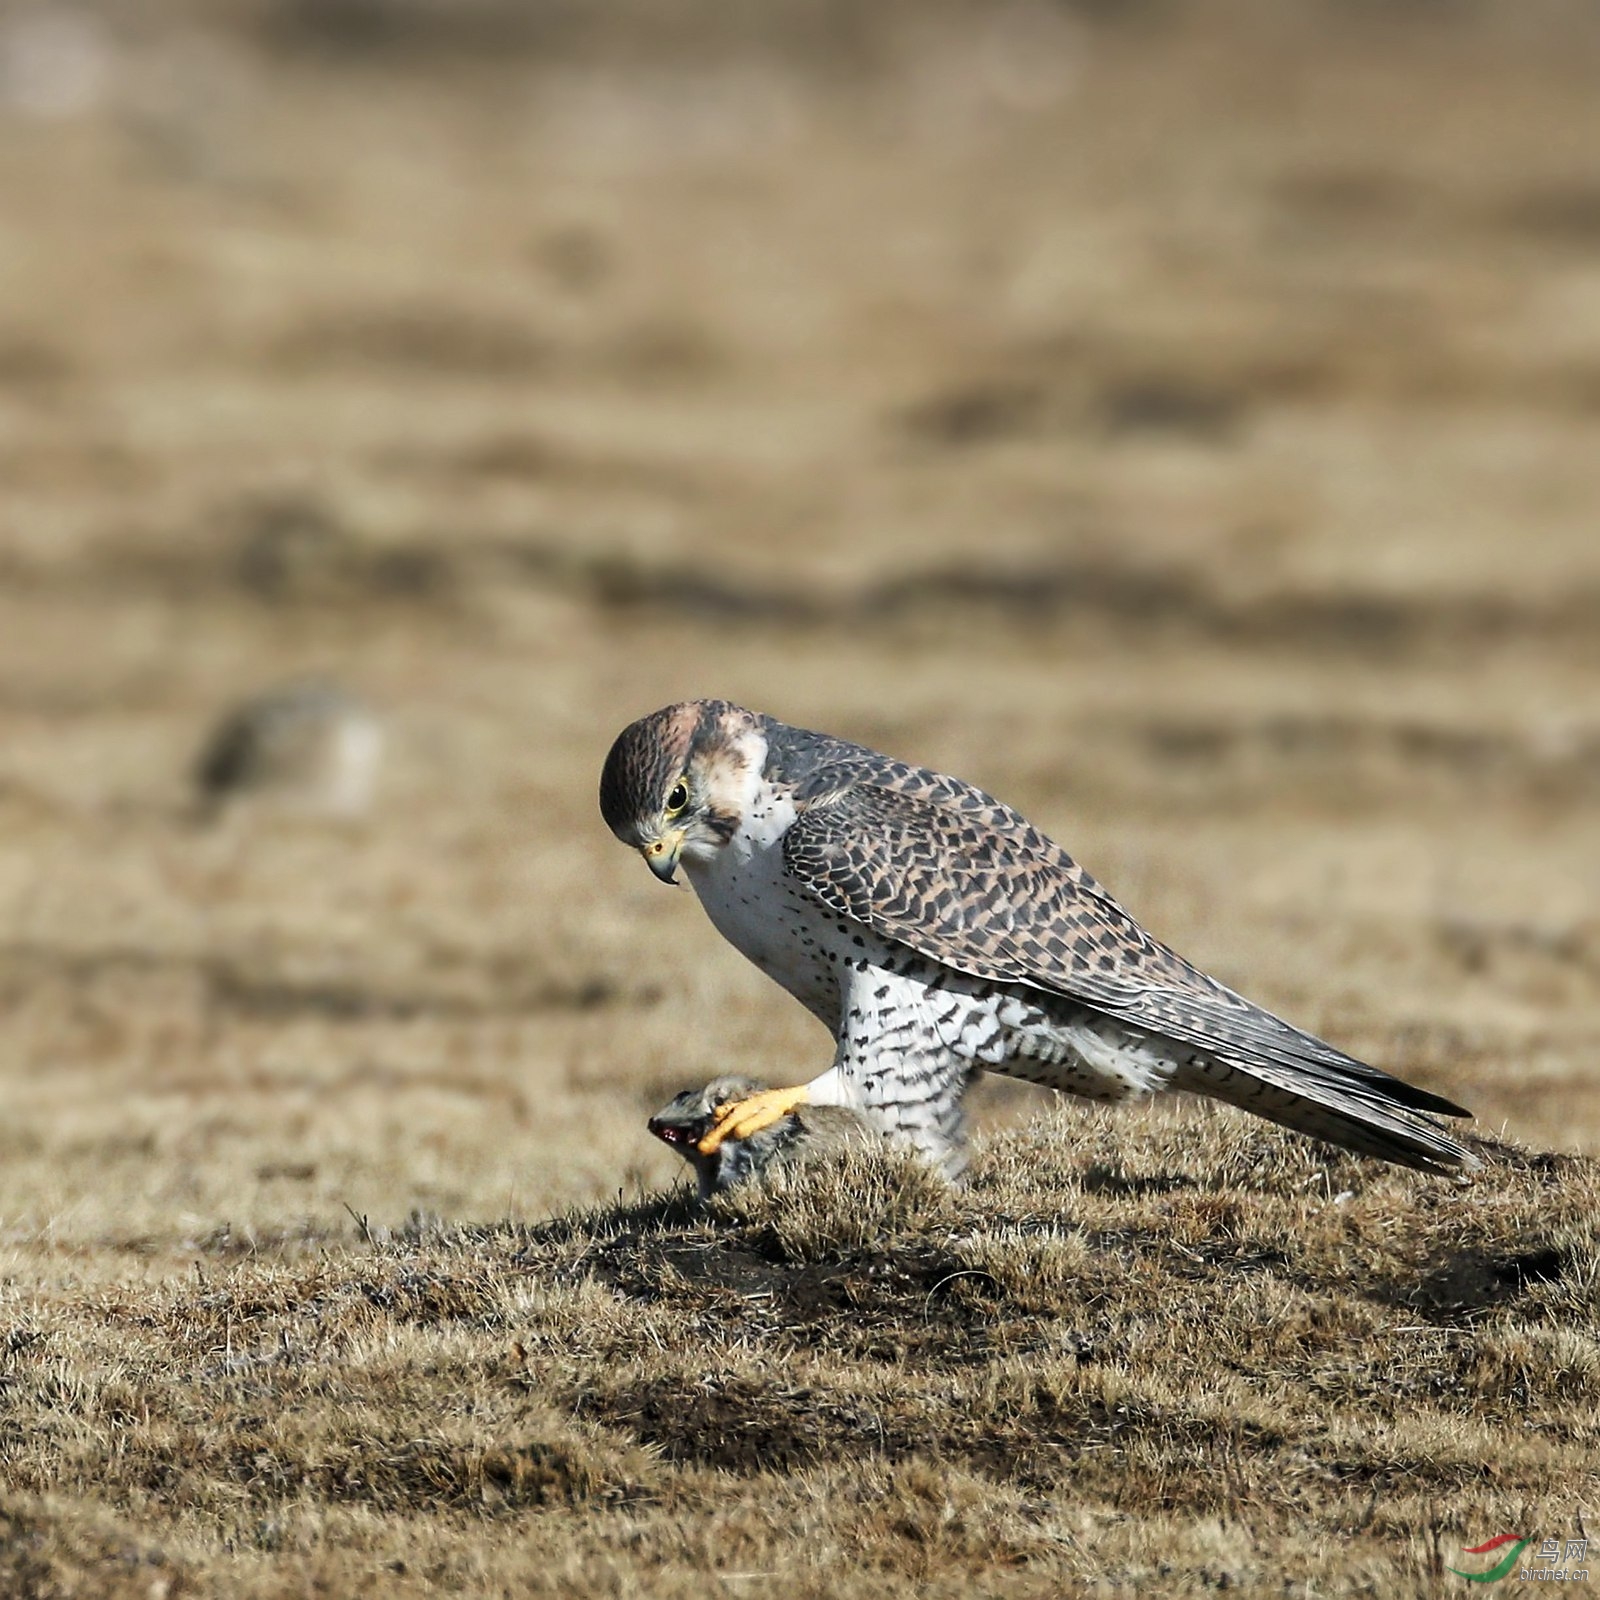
[[683, 1122], [686, 1119], [676, 783]]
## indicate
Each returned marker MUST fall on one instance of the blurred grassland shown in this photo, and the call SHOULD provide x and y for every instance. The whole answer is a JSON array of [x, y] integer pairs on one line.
[[1179, 420]]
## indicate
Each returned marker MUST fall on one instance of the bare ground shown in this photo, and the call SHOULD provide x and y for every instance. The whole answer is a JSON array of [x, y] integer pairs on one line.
[[1184, 428]]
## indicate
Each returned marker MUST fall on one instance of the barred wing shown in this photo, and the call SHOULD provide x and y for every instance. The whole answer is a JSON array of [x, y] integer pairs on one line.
[[963, 882]]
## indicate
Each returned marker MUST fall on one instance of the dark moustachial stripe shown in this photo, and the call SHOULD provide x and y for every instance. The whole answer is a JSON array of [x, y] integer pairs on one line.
[[724, 824]]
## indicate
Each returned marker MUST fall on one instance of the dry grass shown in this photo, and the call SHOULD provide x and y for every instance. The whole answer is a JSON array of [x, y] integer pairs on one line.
[[1183, 428], [1150, 1351]]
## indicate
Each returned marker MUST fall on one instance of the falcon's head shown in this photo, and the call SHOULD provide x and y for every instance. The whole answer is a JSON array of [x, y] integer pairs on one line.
[[675, 781]]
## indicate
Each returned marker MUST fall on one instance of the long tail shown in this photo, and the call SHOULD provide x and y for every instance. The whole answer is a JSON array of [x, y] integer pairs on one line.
[[1338, 1099]]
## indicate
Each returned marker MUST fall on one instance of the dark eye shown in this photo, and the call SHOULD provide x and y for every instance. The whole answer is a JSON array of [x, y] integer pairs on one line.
[[679, 797]]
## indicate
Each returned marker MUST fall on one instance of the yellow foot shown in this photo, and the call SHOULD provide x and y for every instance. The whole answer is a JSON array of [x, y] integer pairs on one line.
[[740, 1118]]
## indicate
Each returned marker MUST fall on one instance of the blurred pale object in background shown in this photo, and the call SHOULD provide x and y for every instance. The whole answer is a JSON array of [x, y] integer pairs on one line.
[[53, 63], [309, 747]]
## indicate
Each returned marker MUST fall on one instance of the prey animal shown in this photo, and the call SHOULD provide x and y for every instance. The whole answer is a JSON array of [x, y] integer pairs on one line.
[[935, 933], [807, 1132]]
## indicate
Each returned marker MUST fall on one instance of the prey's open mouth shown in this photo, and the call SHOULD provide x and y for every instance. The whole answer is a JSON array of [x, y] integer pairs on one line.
[[678, 1134]]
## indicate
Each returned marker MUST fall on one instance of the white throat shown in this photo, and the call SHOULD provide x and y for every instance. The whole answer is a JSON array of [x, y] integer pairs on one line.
[[734, 881], [752, 901], [764, 818]]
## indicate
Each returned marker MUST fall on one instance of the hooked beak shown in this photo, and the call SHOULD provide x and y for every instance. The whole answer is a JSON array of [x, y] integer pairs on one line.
[[661, 855]]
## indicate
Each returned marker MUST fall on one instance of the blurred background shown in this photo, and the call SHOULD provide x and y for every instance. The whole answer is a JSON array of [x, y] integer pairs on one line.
[[1181, 419]]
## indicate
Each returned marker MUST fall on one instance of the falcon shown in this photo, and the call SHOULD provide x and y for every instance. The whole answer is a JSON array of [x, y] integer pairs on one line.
[[937, 933]]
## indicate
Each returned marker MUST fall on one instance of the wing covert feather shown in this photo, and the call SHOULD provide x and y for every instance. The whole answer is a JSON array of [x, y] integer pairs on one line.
[[956, 888], [963, 884]]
